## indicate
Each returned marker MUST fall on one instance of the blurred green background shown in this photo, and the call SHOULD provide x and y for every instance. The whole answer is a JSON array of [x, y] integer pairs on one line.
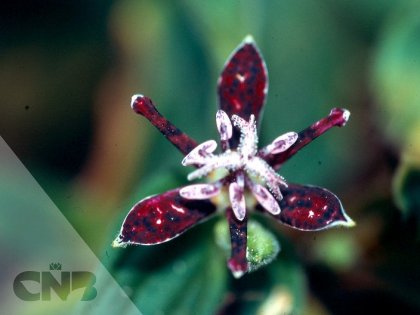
[[68, 70]]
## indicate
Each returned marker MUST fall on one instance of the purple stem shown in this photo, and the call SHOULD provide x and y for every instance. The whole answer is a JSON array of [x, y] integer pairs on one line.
[[144, 106], [238, 263], [337, 117]]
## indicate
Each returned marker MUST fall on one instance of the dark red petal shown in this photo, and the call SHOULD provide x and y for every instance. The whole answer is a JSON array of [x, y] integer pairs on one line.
[[337, 117], [243, 84], [237, 263], [311, 208], [160, 218], [143, 105]]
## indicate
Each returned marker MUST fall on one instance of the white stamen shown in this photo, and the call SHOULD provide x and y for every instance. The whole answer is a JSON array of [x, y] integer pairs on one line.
[[239, 122], [200, 153], [240, 180], [224, 125], [275, 190], [265, 199], [281, 143], [260, 168], [249, 139], [200, 191], [230, 160], [244, 160], [237, 200]]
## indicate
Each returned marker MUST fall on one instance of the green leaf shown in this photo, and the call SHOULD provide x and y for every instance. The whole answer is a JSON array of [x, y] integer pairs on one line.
[[277, 284], [396, 75], [278, 288], [287, 295], [337, 249], [172, 278], [262, 245], [406, 189]]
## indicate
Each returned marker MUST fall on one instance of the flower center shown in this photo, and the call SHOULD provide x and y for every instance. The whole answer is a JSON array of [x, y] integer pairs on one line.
[[243, 164]]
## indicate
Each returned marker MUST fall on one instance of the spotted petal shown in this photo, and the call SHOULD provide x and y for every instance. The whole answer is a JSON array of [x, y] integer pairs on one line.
[[243, 84], [311, 208], [160, 218]]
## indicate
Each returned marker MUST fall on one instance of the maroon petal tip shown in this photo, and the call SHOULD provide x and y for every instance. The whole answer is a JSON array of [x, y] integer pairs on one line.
[[237, 268], [339, 116], [142, 105]]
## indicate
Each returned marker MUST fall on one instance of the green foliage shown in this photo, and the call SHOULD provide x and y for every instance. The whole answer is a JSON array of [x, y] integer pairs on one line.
[[396, 75], [262, 245], [172, 278], [407, 190], [337, 249], [278, 288]]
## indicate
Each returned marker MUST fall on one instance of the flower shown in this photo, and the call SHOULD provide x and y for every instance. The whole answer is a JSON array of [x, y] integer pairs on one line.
[[242, 88]]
